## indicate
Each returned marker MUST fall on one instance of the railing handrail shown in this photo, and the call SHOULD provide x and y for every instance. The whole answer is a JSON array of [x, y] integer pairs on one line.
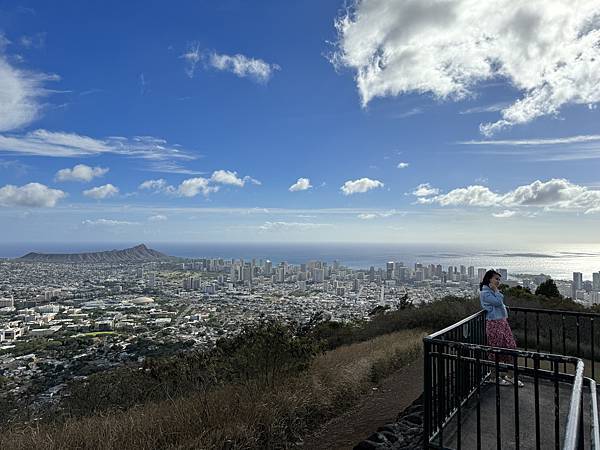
[[571, 432], [455, 325], [510, 351], [557, 312], [594, 423]]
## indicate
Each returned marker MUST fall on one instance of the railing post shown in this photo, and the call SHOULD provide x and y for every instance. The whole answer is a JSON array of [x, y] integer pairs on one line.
[[426, 392]]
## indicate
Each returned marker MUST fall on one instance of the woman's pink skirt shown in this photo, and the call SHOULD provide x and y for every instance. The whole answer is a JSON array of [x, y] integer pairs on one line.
[[500, 335]]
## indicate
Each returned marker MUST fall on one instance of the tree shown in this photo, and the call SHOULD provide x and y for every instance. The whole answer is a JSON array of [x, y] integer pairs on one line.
[[548, 289]]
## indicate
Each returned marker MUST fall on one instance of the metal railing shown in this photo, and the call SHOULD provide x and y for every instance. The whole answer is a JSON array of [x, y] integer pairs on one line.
[[457, 363], [552, 331]]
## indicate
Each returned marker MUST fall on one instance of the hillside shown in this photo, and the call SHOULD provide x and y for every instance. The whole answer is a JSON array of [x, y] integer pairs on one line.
[[139, 253]]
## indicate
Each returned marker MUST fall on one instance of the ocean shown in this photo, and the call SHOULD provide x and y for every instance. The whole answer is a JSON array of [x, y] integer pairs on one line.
[[558, 261]]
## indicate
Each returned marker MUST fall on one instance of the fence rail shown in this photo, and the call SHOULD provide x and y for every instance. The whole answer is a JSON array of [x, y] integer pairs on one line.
[[457, 363]]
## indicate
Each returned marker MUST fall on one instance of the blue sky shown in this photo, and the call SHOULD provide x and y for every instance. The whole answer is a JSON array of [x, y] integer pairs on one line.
[[395, 121]]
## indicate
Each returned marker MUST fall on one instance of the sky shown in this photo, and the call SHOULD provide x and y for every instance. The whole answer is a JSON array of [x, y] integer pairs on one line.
[[400, 121]]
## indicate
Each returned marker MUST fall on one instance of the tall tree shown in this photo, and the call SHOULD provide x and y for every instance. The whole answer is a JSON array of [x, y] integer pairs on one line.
[[548, 288]]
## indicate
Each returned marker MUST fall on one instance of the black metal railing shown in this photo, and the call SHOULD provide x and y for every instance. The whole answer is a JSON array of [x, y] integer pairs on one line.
[[561, 332], [457, 364]]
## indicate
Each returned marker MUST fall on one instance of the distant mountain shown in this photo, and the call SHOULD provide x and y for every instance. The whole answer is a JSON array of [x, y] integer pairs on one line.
[[139, 253]]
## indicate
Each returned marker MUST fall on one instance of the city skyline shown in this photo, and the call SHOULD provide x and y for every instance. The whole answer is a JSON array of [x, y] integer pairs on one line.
[[265, 122]]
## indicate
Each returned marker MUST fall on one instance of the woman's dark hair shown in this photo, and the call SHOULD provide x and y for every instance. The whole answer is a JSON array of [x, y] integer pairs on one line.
[[487, 277]]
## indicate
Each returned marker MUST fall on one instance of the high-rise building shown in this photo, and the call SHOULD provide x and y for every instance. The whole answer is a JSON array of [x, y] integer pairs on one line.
[[481, 273], [463, 270], [247, 273], [372, 274], [268, 267], [577, 284], [596, 281], [438, 270], [390, 270], [318, 275], [280, 272], [471, 272]]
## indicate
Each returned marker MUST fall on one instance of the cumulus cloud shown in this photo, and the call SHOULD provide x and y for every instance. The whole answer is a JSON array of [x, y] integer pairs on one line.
[[157, 218], [556, 193], [243, 66], [546, 49], [227, 177], [360, 186], [159, 185], [194, 186], [107, 222], [402, 165], [101, 192], [425, 190], [80, 172], [292, 226], [21, 93], [61, 144], [198, 185], [31, 194], [302, 184]]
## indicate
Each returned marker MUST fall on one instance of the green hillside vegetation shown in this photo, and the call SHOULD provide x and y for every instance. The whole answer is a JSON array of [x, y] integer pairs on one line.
[[265, 388]]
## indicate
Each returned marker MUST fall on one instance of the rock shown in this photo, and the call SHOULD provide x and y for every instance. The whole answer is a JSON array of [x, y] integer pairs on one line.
[[405, 434], [377, 437]]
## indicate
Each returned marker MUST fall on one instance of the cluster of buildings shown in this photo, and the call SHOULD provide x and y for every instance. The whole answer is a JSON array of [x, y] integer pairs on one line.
[[587, 291], [63, 321]]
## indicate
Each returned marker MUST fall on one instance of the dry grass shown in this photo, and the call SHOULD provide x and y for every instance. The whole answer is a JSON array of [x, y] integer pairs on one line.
[[235, 417]]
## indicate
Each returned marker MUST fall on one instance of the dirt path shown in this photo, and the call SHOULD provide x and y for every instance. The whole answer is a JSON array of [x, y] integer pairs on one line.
[[377, 408]]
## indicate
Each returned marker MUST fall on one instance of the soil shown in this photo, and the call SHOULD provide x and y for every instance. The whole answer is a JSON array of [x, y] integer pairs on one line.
[[377, 408]]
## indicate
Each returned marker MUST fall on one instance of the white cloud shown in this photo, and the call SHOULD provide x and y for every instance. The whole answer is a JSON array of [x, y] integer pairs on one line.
[[31, 194], [157, 186], [191, 57], [409, 113], [243, 66], [360, 186], [367, 216], [227, 177], [20, 94], [61, 144], [157, 218], [194, 186], [80, 172], [292, 226], [495, 107], [556, 193], [379, 214], [504, 214], [535, 142], [425, 190], [101, 192], [546, 49], [302, 184], [107, 222], [402, 165]]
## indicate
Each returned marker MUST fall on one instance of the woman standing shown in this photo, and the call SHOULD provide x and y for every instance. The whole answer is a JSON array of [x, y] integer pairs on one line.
[[497, 328]]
